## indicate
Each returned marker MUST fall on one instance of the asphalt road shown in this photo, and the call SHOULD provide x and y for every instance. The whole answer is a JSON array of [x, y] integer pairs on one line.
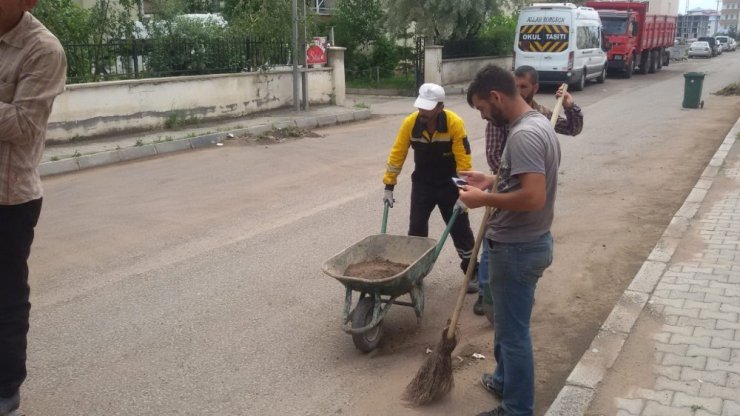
[[192, 284]]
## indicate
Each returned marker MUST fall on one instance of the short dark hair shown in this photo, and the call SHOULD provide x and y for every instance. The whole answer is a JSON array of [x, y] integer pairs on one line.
[[527, 70], [492, 78]]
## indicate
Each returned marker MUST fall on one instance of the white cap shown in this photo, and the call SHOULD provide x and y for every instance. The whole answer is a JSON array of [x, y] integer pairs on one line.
[[429, 95]]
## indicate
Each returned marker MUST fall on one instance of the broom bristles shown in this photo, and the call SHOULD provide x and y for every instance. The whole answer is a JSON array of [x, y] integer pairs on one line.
[[434, 379]]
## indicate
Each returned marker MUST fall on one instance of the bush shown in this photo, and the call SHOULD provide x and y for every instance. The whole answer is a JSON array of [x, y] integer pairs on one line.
[[385, 55]]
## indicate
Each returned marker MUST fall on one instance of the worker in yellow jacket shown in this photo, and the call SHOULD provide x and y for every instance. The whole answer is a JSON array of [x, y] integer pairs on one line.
[[441, 149]]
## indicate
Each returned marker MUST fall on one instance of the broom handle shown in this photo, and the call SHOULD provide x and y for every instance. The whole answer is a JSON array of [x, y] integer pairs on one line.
[[558, 107], [469, 272], [482, 230]]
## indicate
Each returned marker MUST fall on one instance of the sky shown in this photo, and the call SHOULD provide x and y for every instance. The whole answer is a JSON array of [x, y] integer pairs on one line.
[[704, 4]]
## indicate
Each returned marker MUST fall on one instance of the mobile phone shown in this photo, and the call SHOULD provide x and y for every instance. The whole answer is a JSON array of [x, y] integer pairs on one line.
[[459, 182]]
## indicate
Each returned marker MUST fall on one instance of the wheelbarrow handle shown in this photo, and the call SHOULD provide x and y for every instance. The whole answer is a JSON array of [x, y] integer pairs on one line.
[[441, 242], [450, 223], [385, 217]]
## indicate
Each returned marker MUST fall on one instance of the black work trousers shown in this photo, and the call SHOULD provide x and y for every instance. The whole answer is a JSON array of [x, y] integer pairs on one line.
[[16, 235], [424, 197]]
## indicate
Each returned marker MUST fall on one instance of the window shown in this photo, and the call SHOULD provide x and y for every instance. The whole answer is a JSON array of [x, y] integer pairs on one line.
[[587, 37]]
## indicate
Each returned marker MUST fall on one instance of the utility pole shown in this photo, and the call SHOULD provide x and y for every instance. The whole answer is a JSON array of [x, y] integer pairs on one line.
[[296, 75]]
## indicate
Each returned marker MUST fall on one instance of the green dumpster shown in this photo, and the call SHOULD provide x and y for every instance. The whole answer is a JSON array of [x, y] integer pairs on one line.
[[692, 89]]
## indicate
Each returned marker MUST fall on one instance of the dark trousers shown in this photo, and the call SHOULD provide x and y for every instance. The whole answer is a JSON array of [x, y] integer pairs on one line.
[[16, 235], [424, 197]]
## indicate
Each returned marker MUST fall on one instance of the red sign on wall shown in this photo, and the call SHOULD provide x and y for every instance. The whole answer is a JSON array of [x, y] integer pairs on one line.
[[316, 52]]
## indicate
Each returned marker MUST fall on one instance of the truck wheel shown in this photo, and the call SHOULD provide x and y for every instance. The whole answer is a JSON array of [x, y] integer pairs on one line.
[[630, 68], [667, 60], [361, 316], [644, 62], [659, 61], [602, 76], [581, 84], [653, 64]]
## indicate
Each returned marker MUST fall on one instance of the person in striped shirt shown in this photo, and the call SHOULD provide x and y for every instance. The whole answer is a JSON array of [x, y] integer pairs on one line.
[[33, 71]]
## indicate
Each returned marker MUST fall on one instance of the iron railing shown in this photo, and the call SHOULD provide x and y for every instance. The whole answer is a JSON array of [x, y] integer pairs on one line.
[[173, 56], [475, 47]]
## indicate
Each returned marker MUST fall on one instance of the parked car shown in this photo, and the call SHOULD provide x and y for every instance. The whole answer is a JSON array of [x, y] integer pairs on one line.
[[727, 43], [713, 44], [700, 49]]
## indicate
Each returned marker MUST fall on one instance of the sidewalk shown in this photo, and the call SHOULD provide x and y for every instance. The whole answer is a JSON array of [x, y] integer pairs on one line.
[[81, 154], [671, 346]]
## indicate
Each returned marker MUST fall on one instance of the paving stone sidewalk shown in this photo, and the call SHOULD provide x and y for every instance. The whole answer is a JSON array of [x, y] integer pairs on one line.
[[671, 346]]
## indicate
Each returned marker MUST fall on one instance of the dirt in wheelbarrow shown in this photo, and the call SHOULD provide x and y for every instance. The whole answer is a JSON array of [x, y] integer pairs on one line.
[[375, 269]]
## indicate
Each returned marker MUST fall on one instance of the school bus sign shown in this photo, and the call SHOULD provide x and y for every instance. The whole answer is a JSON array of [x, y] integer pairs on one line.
[[544, 38]]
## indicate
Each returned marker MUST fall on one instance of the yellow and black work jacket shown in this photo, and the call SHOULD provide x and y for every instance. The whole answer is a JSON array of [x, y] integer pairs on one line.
[[437, 157]]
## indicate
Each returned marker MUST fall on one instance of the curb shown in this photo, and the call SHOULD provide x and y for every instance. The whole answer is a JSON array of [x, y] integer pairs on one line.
[[74, 164], [581, 385]]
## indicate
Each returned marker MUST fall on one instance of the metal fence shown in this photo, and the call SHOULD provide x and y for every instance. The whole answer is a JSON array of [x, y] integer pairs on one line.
[[171, 56], [470, 48]]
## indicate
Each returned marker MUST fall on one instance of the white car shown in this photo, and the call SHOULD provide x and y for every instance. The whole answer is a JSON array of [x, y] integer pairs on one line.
[[700, 49], [728, 44]]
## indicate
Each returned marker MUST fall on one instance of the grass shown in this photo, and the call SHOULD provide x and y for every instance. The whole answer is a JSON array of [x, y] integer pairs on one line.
[[288, 132], [54, 158], [361, 105], [732, 89], [178, 119], [139, 143], [399, 82]]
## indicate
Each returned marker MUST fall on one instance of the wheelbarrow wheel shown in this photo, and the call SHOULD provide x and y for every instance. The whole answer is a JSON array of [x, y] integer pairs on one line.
[[361, 316]]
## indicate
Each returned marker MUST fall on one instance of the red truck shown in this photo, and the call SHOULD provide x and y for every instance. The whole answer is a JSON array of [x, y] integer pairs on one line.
[[639, 42]]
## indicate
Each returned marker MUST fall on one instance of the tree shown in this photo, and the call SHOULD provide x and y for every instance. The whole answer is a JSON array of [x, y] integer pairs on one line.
[[358, 23], [265, 18], [65, 19], [443, 19], [358, 26]]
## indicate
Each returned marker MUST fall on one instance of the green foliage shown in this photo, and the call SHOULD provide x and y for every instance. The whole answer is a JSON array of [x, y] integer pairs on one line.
[[385, 56], [65, 19], [358, 23], [266, 18], [201, 6], [186, 46], [359, 27], [179, 119], [501, 30], [440, 20]]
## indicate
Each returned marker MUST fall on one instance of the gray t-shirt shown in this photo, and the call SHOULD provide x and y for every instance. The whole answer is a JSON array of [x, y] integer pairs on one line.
[[531, 147]]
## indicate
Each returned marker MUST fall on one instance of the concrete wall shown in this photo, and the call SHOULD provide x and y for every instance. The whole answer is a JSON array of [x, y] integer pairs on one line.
[[433, 64], [103, 108], [464, 69]]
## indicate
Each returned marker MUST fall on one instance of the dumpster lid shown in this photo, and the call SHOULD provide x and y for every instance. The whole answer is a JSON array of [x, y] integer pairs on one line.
[[694, 74]]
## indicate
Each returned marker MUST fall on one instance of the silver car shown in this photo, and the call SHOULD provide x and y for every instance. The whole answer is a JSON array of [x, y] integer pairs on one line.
[[728, 43], [700, 49]]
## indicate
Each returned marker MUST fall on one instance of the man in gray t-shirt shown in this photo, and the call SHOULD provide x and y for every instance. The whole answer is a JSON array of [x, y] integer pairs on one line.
[[518, 235], [531, 147]]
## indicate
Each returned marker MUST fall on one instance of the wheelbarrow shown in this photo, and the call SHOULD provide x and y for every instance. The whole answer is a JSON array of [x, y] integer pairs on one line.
[[376, 296]]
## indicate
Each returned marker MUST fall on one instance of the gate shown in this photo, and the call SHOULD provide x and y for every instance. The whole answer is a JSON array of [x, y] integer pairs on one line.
[[419, 62]]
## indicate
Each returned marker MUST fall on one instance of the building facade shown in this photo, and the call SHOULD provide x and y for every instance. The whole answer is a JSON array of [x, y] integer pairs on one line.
[[697, 23], [729, 20]]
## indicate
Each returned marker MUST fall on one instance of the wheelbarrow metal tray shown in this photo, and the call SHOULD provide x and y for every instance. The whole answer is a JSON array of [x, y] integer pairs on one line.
[[417, 252]]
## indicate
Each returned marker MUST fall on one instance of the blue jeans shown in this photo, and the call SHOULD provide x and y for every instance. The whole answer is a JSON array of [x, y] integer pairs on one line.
[[513, 272], [483, 273]]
